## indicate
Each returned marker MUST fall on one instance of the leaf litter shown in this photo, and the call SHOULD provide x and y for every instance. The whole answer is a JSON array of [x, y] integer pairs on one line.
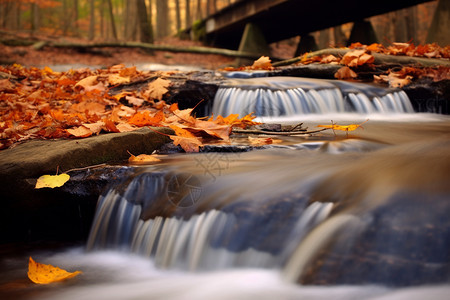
[[44, 104]]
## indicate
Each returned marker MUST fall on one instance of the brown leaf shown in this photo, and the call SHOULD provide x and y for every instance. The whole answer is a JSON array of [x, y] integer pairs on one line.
[[263, 62], [96, 127], [87, 82], [134, 100], [186, 139], [345, 73], [329, 59], [116, 79], [213, 129], [157, 88], [6, 86], [188, 144], [80, 132]]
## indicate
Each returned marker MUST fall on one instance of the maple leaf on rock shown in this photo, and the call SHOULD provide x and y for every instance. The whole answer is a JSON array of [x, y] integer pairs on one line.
[[96, 127], [213, 129], [142, 159], [186, 139], [263, 62], [156, 89], [345, 73], [51, 181], [80, 131], [357, 58]]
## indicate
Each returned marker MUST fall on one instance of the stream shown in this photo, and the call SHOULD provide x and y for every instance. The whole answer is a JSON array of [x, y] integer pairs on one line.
[[323, 216]]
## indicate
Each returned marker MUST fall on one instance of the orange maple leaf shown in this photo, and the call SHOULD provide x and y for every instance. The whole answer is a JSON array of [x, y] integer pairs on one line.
[[145, 118], [186, 139], [213, 129], [142, 159], [45, 274]]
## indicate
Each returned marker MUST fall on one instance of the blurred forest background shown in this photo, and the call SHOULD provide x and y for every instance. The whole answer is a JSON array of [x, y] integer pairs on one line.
[[163, 21]]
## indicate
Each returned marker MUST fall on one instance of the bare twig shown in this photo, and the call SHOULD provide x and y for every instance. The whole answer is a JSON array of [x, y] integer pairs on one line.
[[287, 133]]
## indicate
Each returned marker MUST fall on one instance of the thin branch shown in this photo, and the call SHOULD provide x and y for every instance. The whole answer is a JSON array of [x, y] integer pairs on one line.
[[286, 133]]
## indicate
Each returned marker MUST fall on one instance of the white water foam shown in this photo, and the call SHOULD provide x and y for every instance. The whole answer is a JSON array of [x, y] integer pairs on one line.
[[112, 275]]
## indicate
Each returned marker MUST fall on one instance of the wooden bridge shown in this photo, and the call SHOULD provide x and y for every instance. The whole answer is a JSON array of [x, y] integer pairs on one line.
[[282, 19]]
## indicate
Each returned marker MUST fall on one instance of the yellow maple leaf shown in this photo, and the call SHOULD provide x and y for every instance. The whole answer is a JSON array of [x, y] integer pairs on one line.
[[345, 128], [45, 274], [51, 181]]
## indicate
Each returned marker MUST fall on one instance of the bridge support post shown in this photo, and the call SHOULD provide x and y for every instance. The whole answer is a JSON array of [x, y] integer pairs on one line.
[[252, 41], [307, 44], [363, 32], [439, 31]]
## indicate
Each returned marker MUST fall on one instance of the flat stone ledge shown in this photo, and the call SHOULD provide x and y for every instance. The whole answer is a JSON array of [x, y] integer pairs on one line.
[[38, 157]]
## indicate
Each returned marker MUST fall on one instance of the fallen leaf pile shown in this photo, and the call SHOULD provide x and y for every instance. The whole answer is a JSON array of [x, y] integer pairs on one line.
[[408, 49], [45, 274], [361, 55], [405, 75], [41, 103]]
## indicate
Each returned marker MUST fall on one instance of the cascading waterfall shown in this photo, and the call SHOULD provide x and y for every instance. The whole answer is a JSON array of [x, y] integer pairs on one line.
[[205, 240], [309, 219], [285, 96]]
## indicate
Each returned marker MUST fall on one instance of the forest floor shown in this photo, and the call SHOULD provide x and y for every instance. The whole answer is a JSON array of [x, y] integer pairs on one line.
[[49, 56]]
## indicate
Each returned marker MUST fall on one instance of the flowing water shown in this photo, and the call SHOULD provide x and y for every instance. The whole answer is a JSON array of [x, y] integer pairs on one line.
[[363, 216], [286, 96]]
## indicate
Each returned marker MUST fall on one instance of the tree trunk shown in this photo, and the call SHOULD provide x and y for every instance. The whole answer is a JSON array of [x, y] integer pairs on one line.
[[211, 7], [187, 18], [339, 37], [111, 19], [102, 19], [131, 21], [75, 15], [178, 15], [199, 15], [35, 17], [162, 18], [92, 20], [65, 20], [144, 25]]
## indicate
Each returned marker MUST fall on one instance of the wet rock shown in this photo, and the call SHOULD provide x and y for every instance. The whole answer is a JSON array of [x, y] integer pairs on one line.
[[429, 96], [395, 249], [62, 212]]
